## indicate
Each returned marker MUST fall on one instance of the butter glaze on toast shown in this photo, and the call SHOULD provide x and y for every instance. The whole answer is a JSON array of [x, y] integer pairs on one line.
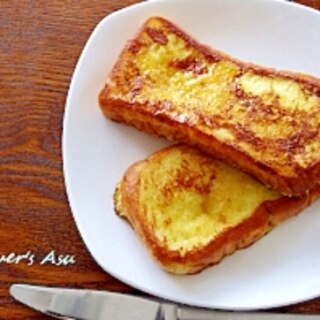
[[263, 121], [191, 210]]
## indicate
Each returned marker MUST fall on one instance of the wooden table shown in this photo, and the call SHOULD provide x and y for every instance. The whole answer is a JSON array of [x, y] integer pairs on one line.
[[40, 43]]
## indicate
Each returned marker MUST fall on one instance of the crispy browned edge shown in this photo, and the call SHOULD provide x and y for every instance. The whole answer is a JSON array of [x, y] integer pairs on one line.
[[268, 215], [138, 115]]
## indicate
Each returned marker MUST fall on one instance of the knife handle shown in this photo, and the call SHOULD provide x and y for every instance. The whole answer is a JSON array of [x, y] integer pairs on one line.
[[186, 313]]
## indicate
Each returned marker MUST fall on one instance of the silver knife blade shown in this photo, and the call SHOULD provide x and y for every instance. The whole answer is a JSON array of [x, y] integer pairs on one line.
[[88, 304], [97, 305]]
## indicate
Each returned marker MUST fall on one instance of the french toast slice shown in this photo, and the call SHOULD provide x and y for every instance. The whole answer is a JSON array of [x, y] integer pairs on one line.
[[191, 210], [264, 121]]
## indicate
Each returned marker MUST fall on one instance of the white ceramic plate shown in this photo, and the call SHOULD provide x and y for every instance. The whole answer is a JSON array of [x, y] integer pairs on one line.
[[283, 267]]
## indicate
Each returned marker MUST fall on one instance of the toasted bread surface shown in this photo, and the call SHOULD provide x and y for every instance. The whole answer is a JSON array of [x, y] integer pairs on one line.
[[191, 210], [263, 121]]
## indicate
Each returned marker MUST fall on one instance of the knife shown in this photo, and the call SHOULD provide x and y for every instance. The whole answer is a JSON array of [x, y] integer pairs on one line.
[[102, 305]]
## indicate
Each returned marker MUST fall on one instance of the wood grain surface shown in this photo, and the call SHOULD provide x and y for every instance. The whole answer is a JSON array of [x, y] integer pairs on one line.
[[41, 41]]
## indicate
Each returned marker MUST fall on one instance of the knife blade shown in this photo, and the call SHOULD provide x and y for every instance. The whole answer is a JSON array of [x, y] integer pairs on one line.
[[103, 305]]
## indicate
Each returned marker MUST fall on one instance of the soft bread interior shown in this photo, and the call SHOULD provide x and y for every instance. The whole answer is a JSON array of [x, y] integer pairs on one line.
[[188, 198]]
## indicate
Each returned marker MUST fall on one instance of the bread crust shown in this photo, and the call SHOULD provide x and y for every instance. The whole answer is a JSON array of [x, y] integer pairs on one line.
[[148, 118], [266, 216]]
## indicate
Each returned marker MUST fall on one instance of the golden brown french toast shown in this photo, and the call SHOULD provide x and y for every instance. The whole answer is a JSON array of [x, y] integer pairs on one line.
[[191, 210], [263, 121]]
